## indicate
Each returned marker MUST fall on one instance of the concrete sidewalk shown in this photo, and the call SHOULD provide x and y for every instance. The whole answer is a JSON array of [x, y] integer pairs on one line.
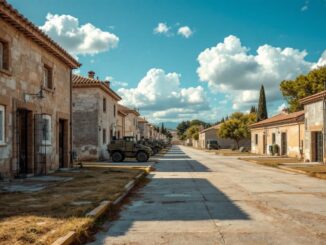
[[199, 198]]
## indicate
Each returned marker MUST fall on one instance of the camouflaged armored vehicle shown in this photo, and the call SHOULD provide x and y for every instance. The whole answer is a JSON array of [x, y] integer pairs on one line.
[[119, 149]]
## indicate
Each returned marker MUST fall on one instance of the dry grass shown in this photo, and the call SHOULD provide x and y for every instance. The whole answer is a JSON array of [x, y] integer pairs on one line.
[[271, 161], [229, 152], [313, 170], [41, 217]]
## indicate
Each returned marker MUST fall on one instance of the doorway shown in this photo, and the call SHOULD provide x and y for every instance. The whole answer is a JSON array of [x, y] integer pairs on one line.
[[318, 147], [23, 138], [62, 148], [284, 146]]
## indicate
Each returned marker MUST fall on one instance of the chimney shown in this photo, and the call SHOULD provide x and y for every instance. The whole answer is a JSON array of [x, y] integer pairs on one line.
[[107, 83], [91, 74], [285, 110]]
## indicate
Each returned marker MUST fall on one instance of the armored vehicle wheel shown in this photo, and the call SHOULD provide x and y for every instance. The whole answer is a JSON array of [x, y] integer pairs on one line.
[[142, 156], [117, 156]]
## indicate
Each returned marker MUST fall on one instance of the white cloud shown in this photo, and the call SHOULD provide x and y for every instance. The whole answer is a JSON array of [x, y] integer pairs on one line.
[[322, 60], [159, 93], [305, 6], [185, 31], [115, 83], [162, 28], [230, 68], [76, 38]]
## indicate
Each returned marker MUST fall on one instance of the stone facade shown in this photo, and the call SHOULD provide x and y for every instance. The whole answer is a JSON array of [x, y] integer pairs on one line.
[[131, 121], [95, 117], [211, 133], [121, 123], [144, 128], [285, 130], [35, 110], [314, 145]]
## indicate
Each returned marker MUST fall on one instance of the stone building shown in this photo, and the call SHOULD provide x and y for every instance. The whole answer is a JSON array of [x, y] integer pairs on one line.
[[211, 134], [285, 130], [121, 124], [35, 98], [131, 121], [144, 128], [314, 145], [95, 116]]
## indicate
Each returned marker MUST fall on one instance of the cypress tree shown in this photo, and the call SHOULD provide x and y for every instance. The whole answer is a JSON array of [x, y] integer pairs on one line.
[[262, 109], [253, 109]]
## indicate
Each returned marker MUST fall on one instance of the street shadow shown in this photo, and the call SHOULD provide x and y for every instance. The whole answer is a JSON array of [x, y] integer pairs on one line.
[[175, 160], [176, 199]]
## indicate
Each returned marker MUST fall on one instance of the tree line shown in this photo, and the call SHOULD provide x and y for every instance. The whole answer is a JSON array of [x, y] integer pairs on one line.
[[236, 126]]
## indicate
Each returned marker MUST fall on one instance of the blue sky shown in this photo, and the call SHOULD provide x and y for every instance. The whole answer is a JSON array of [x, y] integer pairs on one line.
[[167, 63]]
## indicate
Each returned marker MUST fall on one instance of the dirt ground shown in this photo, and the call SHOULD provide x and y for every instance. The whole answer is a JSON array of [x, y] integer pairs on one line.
[[41, 217]]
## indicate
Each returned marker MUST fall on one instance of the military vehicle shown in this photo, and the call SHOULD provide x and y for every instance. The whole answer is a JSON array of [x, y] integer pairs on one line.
[[119, 149]]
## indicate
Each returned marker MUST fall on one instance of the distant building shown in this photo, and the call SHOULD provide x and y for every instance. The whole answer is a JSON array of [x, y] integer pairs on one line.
[[131, 121], [284, 130], [35, 101], [121, 124], [314, 142], [211, 135], [95, 116], [144, 128]]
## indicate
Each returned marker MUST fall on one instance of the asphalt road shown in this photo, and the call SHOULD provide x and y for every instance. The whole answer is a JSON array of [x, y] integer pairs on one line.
[[196, 197]]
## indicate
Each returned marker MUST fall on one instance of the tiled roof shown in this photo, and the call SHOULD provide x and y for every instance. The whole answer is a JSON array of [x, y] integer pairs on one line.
[[127, 110], [142, 120], [281, 118], [9, 14], [86, 82], [313, 98], [213, 127]]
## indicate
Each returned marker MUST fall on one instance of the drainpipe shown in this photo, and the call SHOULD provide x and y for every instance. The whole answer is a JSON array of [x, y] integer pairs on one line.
[[70, 124]]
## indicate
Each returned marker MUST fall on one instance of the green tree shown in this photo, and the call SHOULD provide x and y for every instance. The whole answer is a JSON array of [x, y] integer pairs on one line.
[[303, 86], [253, 109], [193, 132], [237, 127], [262, 108]]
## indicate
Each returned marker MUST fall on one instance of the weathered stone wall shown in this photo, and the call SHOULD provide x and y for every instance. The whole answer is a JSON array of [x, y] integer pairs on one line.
[[120, 126], [212, 134], [90, 121], [131, 125], [294, 136], [313, 123], [85, 123], [25, 75]]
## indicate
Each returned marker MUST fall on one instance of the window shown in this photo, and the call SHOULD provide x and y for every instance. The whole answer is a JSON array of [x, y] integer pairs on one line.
[[46, 130], [4, 55], [2, 124], [256, 139], [47, 77], [104, 136], [114, 112], [273, 138], [104, 105]]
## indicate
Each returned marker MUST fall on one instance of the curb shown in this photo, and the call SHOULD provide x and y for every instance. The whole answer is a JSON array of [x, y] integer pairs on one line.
[[67, 239], [70, 237]]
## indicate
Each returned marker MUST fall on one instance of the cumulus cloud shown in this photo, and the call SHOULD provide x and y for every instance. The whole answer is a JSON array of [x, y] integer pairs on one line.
[[230, 68], [185, 31], [161, 93], [322, 60], [116, 83], [162, 28], [78, 39]]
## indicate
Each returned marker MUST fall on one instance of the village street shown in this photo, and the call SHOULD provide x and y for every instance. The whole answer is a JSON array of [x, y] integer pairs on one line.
[[199, 198]]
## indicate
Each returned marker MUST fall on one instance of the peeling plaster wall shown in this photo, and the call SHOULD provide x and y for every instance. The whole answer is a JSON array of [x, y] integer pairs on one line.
[[294, 133], [89, 121], [313, 123], [27, 60]]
